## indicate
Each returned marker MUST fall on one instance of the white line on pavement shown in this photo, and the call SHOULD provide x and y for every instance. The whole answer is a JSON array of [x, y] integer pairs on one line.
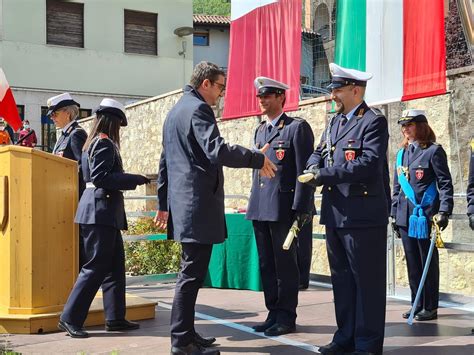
[[249, 330]]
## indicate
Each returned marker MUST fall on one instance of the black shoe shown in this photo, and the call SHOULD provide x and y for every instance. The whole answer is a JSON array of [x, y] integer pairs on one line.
[[427, 315], [279, 329], [204, 341], [193, 349], [121, 324], [73, 330], [406, 315], [303, 287], [361, 352], [332, 349], [263, 326]]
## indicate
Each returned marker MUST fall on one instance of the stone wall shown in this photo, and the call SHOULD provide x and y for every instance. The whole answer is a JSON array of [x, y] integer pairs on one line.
[[450, 116]]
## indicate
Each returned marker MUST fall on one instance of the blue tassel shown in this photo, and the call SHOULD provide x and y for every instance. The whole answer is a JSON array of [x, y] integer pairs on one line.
[[422, 228], [413, 224]]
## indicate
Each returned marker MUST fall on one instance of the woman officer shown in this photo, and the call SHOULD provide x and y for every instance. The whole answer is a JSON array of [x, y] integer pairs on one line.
[[422, 189], [64, 111], [101, 216]]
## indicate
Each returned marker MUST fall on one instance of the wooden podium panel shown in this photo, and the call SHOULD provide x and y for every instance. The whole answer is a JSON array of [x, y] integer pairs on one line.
[[39, 241]]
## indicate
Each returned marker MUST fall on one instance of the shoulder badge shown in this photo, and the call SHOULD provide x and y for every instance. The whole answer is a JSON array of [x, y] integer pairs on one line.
[[376, 111]]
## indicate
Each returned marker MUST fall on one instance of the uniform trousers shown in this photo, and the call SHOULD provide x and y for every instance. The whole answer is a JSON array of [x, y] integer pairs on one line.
[[279, 271], [194, 265], [305, 252], [357, 259], [416, 251], [104, 265]]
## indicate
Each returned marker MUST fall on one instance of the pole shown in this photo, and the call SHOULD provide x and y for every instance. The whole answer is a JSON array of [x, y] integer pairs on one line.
[[434, 236]]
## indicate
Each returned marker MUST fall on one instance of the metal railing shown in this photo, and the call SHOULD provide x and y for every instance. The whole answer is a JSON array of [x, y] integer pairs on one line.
[[392, 242]]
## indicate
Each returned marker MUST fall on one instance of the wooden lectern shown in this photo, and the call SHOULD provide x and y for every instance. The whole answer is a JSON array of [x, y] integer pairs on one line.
[[38, 240]]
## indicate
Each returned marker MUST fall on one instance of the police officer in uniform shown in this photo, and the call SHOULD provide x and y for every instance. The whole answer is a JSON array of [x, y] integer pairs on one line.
[[275, 204], [64, 111], [191, 194], [422, 188], [101, 217], [470, 188], [350, 162]]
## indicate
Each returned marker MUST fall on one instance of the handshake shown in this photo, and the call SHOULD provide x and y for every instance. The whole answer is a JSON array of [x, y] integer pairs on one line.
[[311, 176]]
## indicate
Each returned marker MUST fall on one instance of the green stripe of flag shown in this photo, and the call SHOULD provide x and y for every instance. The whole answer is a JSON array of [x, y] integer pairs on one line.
[[351, 33]]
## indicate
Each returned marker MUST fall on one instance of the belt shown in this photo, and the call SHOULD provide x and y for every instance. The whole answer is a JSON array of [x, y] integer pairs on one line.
[[90, 185]]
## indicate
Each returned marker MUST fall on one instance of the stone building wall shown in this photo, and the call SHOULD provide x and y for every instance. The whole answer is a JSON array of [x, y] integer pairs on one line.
[[450, 116]]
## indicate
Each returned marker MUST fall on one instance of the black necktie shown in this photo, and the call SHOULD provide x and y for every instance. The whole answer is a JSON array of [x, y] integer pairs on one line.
[[410, 151], [342, 123], [343, 120]]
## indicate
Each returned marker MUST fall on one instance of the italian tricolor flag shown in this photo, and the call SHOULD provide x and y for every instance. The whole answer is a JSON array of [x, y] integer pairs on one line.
[[401, 42]]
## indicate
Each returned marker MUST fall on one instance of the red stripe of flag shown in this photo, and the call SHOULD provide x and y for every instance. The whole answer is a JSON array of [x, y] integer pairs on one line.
[[424, 64], [8, 109], [264, 42]]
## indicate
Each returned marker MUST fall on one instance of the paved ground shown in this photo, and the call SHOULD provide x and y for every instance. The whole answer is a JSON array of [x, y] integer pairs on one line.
[[229, 314]]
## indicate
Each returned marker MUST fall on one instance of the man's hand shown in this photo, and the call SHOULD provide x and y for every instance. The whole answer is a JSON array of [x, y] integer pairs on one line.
[[303, 218], [395, 228], [268, 169], [471, 221], [442, 220], [161, 219], [311, 176]]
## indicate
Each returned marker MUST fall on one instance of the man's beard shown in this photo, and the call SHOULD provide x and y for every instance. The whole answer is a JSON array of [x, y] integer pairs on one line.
[[339, 107]]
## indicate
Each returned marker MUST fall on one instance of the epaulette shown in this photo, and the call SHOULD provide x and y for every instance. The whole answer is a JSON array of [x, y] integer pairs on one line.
[[260, 127], [376, 111]]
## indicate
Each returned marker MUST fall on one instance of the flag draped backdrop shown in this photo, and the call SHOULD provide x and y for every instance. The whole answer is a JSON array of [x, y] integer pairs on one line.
[[265, 40], [400, 41]]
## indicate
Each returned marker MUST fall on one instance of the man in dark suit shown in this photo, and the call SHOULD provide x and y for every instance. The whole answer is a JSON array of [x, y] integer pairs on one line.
[[275, 204], [350, 163], [470, 188], [191, 193]]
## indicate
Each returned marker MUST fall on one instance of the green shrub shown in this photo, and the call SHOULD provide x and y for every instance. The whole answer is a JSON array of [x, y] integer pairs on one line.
[[146, 257]]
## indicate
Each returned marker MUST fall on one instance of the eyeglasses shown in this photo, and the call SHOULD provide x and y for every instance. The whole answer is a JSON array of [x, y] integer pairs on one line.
[[221, 86]]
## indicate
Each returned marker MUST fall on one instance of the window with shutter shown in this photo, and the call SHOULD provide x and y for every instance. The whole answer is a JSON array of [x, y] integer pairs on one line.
[[141, 32], [65, 23]]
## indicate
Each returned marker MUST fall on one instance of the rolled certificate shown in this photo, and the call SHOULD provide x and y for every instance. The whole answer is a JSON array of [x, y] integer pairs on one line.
[[292, 234], [305, 178]]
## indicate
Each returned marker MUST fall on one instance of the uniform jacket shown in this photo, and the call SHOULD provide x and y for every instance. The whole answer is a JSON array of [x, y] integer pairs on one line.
[[276, 199], [69, 145], [470, 183], [356, 190], [190, 177], [426, 165], [103, 204]]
